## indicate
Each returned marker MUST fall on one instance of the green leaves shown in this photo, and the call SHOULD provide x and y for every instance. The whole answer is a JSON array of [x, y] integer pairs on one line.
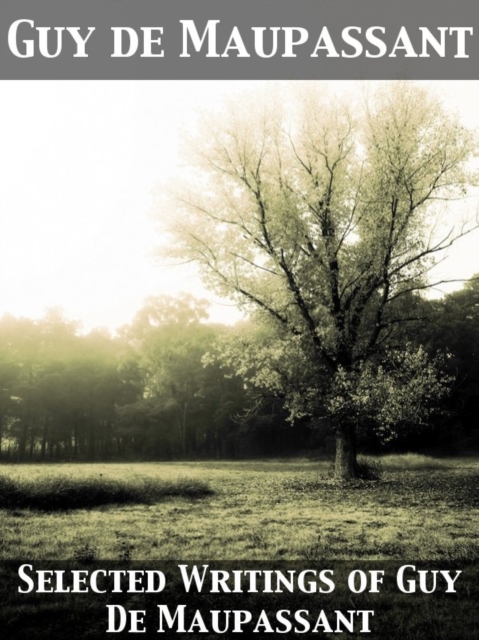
[[402, 390]]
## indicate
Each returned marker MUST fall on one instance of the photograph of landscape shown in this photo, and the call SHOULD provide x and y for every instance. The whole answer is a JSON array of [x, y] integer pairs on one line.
[[239, 332]]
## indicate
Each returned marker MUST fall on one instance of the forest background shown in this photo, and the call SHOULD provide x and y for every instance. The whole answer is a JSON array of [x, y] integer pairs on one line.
[[151, 393]]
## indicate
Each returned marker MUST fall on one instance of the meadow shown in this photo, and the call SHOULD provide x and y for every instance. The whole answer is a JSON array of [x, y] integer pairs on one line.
[[258, 510], [275, 512]]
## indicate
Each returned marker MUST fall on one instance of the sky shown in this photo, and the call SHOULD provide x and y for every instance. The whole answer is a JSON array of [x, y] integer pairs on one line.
[[79, 163]]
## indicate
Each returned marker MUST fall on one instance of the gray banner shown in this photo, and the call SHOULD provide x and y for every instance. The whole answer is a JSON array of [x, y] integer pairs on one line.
[[247, 39]]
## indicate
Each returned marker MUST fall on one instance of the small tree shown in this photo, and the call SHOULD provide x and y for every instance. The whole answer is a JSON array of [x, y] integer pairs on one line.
[[323, 226]]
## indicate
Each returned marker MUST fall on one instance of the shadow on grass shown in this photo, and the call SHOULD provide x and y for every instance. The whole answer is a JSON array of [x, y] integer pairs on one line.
[[64, 493]]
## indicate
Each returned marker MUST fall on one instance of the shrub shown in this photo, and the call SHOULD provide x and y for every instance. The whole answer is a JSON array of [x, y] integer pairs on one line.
[[56, 493], [367, 469], [85, 554]]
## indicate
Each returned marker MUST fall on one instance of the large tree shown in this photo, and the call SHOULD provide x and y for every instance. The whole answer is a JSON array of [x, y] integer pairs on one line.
[[320, 219]]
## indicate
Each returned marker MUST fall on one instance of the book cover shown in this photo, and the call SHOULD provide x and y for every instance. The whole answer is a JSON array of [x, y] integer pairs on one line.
[[239, 321]]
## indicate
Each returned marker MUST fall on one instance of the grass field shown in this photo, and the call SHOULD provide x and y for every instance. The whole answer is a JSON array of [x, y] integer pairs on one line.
[[423, 508], [269, 514]]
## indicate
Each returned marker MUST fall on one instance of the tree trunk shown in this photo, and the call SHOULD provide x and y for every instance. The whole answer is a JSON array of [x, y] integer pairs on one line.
[[22, 444], [44, 440], [345, 460]]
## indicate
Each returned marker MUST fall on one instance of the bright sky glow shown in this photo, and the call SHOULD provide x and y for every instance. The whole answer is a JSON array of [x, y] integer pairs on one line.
[[78, 163]]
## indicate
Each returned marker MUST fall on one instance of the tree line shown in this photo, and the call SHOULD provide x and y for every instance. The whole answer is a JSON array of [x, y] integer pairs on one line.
[[161, 389], [145, 393]]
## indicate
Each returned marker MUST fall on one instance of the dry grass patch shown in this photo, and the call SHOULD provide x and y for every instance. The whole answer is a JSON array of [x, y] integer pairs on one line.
[[62, 493]]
